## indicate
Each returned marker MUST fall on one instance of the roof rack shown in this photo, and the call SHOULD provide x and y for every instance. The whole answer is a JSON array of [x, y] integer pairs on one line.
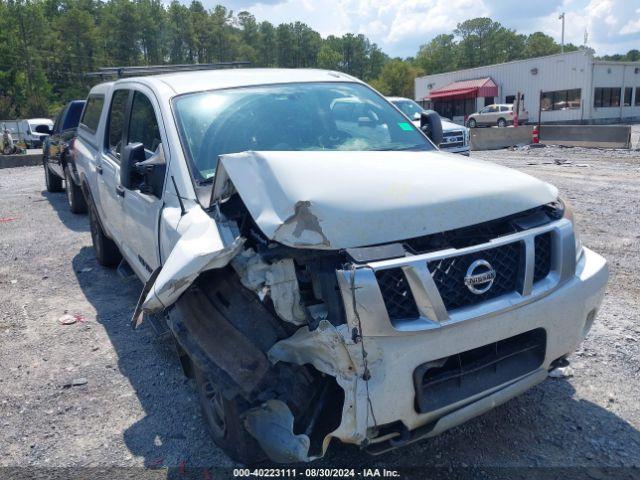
[[121, 72]]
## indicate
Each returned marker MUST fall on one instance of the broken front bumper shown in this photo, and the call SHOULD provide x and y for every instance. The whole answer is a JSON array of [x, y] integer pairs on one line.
[[565, 313], [374, 359]]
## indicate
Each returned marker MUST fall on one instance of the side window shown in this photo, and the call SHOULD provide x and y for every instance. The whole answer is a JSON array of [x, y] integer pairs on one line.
[[91, 113], [56, 126], [504, 109], [73, 116], [116, 122], [143, 125]]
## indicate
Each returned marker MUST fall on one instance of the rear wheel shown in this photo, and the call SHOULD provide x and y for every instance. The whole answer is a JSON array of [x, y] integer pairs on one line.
[[107, 252], [224, 419], [502, 122], [53, 182], [472, 123], [75, 197]]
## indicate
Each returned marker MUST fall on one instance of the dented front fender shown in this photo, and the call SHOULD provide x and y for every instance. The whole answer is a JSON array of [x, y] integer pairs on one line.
[[204, 245]]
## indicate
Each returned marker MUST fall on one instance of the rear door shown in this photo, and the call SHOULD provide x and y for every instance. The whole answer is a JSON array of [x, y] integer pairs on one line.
[[493, 112], [110, 192], [140, 210]]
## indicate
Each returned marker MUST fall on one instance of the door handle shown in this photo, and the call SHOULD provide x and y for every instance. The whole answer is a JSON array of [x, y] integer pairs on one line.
[[120, 190], [99, 169]]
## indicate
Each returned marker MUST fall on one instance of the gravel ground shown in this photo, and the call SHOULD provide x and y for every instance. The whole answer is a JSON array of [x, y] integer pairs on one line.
[[132, 407]]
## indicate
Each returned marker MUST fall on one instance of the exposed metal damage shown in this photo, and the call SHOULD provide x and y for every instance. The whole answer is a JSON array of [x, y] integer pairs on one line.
[[289, 283]]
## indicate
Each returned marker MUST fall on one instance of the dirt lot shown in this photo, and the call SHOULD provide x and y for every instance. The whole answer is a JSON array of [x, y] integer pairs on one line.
[[136, 408]]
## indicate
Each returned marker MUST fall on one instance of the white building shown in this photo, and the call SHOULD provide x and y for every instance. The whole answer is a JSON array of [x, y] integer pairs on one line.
[[568, 87]]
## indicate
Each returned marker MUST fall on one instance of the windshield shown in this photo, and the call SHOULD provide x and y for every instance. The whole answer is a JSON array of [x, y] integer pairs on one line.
[[408, 107], [290, 117]]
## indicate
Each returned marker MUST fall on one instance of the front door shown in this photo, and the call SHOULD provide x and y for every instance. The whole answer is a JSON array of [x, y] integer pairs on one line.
[[141, 211]]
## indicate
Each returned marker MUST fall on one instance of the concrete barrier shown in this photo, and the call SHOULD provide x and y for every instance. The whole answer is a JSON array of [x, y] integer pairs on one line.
[[24, 160], [602, 136], [496, 138]]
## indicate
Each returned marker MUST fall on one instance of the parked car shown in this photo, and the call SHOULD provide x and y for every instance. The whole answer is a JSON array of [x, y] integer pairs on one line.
[[501, 114], [322, 282], [30, 134], [56, 155], [455, 138]]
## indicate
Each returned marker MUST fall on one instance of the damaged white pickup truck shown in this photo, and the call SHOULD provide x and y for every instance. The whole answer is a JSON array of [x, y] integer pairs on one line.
[[326, 271]]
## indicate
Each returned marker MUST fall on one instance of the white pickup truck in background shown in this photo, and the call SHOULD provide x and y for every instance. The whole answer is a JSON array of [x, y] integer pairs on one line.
[[455, 138], [326, 272]]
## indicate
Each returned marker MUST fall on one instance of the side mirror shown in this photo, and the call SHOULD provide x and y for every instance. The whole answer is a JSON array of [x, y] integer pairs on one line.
[[44, 129], [431, 125], [417, 115], [153, 172], [132, 154]]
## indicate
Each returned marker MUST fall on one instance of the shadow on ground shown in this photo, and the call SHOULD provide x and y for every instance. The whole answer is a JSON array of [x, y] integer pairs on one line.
[[73, 221]]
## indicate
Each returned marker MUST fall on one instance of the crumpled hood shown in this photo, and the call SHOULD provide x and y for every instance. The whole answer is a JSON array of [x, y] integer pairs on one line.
[[344, 199]]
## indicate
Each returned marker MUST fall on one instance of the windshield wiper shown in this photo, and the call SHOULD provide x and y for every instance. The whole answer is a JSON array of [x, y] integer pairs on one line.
[[399, 149], [205, 181]]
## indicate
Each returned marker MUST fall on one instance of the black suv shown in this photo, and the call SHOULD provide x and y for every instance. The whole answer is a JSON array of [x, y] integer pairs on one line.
[[56, 155]]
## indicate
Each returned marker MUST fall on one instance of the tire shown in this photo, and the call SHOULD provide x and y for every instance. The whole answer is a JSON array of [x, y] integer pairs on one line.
[[502, 122], [225, 423], [106, 250], [75, 197], [472, 123], [53, 182]]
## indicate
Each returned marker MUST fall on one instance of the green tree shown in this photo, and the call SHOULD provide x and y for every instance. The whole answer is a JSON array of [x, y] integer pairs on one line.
[[328, 58], [120, 33], [539, 44], [477, 40], [439, 55], [396, 79], [267, 45]]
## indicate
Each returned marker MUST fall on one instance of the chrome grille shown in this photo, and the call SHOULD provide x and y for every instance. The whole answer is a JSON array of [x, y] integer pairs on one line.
[[454, 138], [448, 275], [542, 244], [396, 294]]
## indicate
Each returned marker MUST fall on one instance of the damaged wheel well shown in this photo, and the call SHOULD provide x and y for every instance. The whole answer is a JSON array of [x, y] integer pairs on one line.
[[226, 331]]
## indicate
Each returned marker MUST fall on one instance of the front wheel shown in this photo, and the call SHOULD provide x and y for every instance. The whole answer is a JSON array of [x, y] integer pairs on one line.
[[472, 123], [53, 182], [107, 252], [224, 419], [502, 122], [75, 197]]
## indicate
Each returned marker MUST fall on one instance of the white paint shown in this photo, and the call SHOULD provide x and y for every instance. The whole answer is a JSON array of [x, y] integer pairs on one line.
[[203, 246], [369, 198]]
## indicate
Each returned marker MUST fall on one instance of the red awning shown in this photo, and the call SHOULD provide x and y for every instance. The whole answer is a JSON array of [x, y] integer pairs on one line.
[[479, 87]]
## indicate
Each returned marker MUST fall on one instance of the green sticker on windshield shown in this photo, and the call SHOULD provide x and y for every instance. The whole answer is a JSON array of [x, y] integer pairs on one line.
[[405, 126]]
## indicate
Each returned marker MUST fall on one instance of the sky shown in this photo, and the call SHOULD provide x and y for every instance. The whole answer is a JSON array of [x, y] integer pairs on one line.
[[399, 27]]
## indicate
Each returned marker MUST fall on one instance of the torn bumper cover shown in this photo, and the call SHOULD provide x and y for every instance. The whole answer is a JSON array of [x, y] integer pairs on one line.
[[376, 369]]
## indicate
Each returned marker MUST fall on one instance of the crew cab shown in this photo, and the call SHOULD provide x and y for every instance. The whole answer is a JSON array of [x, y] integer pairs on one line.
[[56, 155], [455, 138], [322, 281]]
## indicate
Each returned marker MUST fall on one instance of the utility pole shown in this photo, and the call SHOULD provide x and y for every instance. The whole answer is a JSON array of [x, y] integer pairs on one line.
[[561, 17]]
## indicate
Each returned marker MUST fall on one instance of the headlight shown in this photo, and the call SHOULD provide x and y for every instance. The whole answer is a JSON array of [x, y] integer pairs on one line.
[[568, 214]]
